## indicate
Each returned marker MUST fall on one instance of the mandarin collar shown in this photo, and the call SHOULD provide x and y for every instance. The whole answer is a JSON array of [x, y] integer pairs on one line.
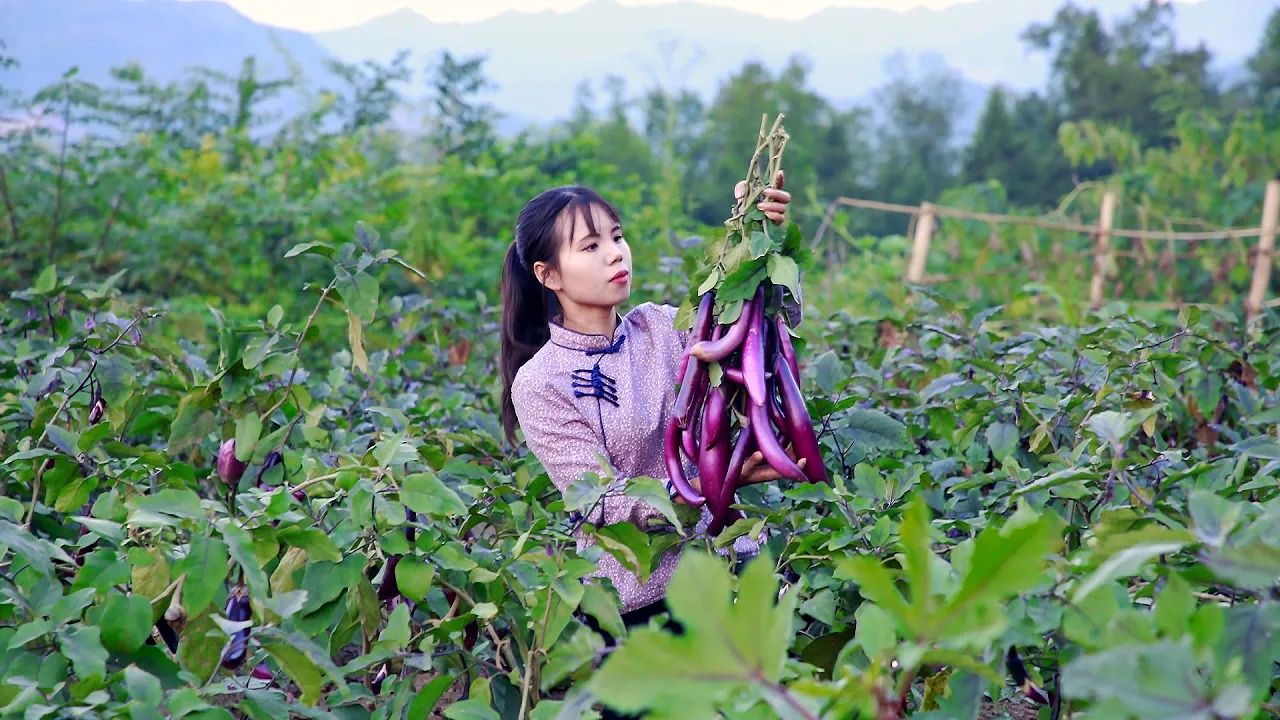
[[573, 340]]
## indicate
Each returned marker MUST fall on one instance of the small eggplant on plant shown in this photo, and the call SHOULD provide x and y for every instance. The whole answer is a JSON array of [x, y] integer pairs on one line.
[[230, 469], [237, 610]]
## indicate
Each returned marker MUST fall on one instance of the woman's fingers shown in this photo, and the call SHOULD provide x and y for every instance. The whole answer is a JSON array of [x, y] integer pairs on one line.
[[779, 180], [740, 190], [781, 196]]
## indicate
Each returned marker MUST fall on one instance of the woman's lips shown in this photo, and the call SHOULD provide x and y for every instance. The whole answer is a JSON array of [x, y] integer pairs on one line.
[[621, 277]]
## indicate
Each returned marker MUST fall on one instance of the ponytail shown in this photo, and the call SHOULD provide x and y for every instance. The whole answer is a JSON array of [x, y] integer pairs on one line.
[[527, 306], [524, 327]]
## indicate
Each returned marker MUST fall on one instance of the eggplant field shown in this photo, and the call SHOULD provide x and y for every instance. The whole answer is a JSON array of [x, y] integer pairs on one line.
[[253, 461]]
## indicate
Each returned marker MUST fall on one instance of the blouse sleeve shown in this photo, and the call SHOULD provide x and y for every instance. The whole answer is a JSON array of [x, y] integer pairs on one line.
[[567, 447]]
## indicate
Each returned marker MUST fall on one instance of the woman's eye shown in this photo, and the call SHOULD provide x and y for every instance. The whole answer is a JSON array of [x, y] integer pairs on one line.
[[619, 239], [590, 247]]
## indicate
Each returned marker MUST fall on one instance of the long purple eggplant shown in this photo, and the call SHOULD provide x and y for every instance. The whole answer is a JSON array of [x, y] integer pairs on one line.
[[718, 349], [713, 456], [724, 513], [701, 327], [753, 367], [735, 375], [390, 587], [770, 448], [800, 425], [693, 389], [784, 344], [675, 470]]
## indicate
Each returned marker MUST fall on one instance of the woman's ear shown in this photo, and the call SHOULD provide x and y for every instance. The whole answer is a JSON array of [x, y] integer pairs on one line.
[[549, 278]]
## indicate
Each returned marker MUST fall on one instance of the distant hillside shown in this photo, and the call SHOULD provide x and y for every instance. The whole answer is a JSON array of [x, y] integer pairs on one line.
[[536, 60], [164, 37]]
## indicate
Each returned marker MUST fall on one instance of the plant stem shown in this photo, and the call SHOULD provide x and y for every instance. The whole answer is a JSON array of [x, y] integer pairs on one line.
[[293, 372]]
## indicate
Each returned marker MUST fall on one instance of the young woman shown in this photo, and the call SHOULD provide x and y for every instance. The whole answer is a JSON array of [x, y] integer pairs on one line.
[[592, 390]]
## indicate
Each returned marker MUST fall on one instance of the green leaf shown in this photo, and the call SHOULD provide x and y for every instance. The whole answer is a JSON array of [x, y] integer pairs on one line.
[[47, 281], [601, 605], [741, 284], [200, 646], [360, 294], [425, 493], [629, 544], [1262, 447], [1002, 438], [1212, 516], [205, 566], [310, 248], [191, 422], [821, 607], [240, 545], [1157, 680], [758, 245], [1112, 427], [248, 429], [725, 650], [306, 663], [1123, 564], [1174, 607], [1253, 566], [28, 632], [257, 349], [90, 438], [874, 629], [143, 687], [414, 577], [784, 271], [473, 709], [916, 562], [83, 647], [395, 634], [315, 541], [425, 701], [875, 584], [63, 439], [1054, 479], [569, 656], [38, 553], [872, 429], [127, 622], [654, 494], [1005, 562]]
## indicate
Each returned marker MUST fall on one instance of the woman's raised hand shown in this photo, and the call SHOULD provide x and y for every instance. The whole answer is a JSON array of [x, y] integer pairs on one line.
[[775, 204]]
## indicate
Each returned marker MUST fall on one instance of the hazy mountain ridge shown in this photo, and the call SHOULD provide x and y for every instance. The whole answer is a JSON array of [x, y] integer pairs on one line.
[[536, 60]]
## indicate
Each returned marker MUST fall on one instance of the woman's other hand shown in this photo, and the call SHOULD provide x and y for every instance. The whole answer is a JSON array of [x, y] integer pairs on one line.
[[756, 470], [775, 203]]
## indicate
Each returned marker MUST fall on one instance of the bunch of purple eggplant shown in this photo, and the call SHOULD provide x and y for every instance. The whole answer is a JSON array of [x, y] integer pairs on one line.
[[756, 405]]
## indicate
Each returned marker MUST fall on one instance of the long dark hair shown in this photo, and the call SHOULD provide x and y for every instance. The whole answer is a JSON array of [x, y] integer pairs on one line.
[[527, 305]]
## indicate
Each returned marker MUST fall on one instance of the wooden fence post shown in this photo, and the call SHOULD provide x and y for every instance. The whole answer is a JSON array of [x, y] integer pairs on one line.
[[1265, 257], [920, 244], [1102, 259]]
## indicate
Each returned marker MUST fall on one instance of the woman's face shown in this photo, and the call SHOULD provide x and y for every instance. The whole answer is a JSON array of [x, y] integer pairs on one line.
[[595, 267]]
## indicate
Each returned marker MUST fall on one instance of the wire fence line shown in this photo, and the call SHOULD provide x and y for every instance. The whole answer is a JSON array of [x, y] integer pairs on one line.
[[924, 218]]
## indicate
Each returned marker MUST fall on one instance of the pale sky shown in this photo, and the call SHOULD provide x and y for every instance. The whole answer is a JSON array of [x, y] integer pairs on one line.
[[319, 15]]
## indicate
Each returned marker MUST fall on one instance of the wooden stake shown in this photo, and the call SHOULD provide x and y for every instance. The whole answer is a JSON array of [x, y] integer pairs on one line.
[[1102, 258], [1265, 257], [920, 244]]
